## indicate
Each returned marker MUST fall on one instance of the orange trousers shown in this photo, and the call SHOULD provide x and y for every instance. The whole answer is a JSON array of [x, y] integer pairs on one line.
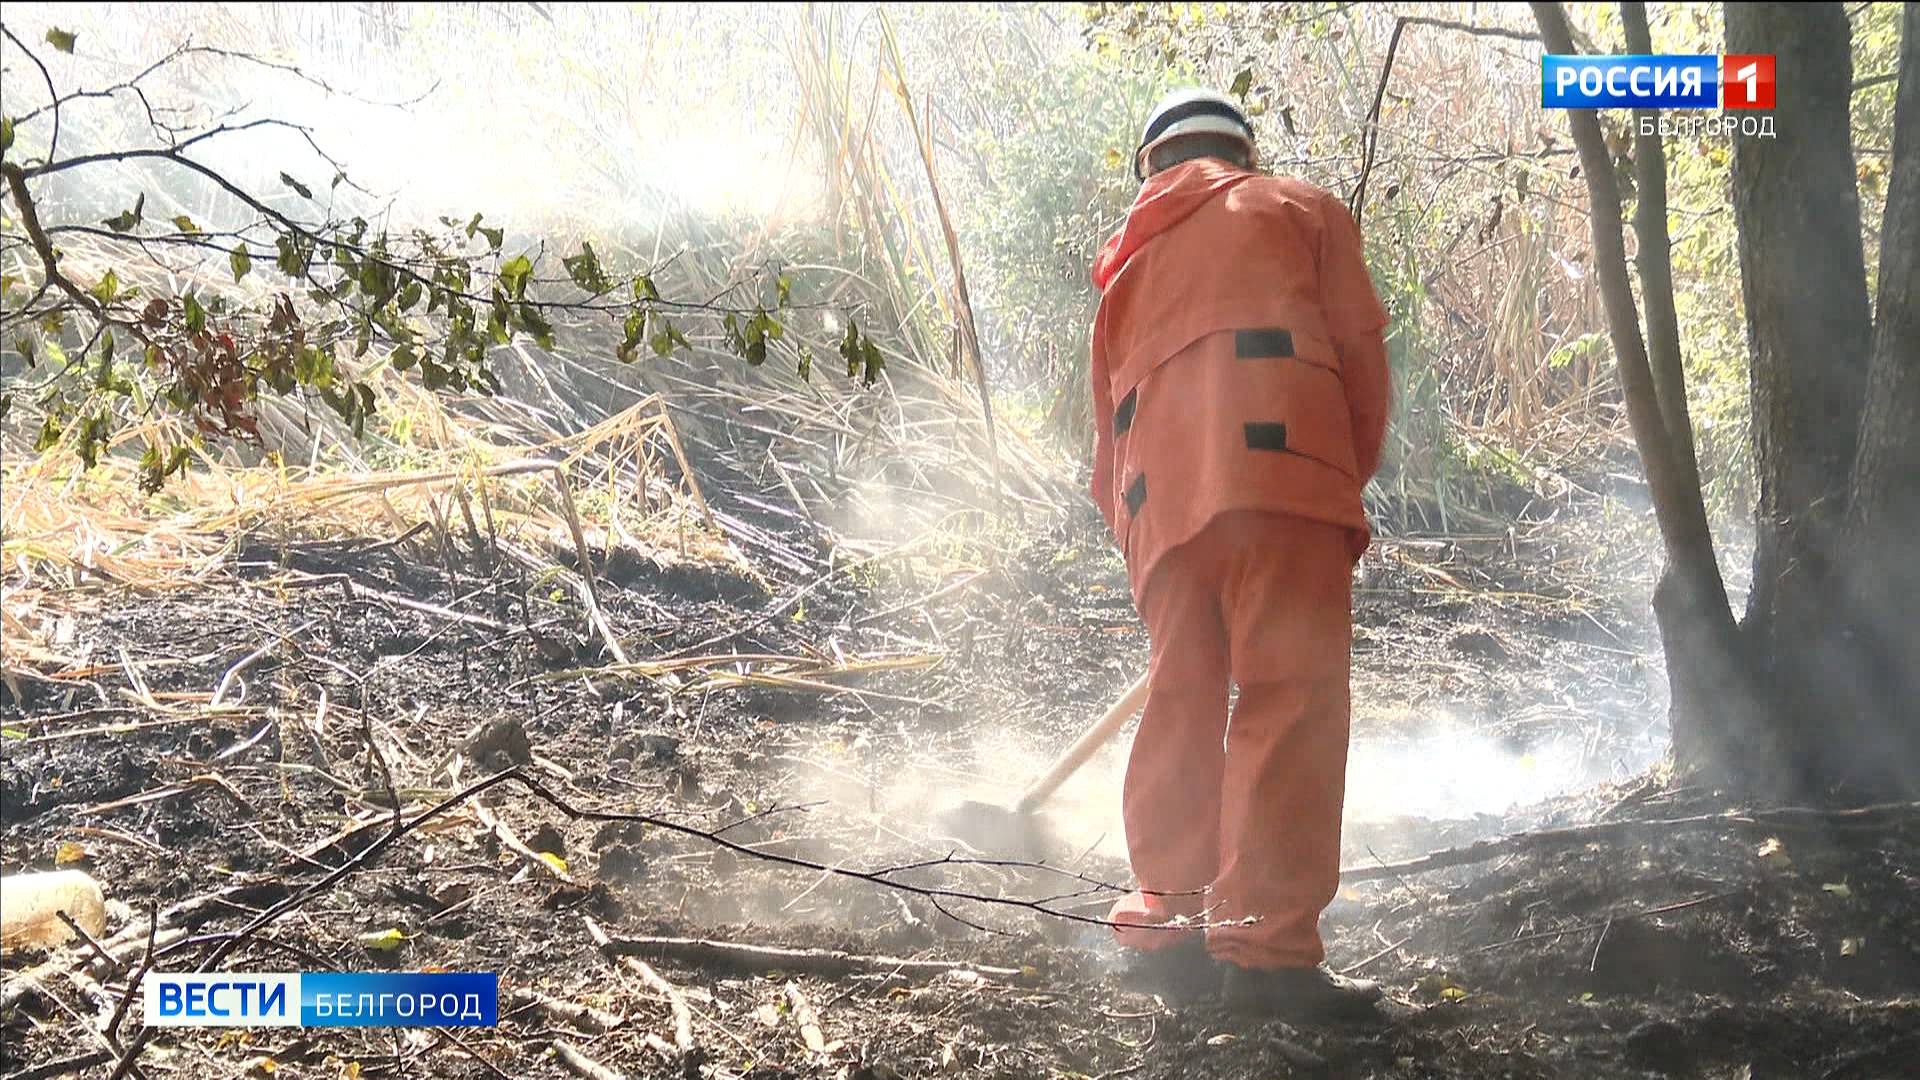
[[1238, 817]]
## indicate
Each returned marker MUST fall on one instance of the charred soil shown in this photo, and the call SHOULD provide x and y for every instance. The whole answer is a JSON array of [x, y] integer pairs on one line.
[[821, 718]]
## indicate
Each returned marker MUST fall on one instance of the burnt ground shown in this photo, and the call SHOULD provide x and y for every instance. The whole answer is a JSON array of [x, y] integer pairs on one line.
[[1503, 684]]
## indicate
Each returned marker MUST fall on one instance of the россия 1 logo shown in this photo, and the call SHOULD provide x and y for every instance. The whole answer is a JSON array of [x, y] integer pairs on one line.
[[1656, 82]]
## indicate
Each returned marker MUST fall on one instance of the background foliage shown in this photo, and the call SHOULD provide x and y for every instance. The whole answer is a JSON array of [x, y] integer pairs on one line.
[[795, 170]]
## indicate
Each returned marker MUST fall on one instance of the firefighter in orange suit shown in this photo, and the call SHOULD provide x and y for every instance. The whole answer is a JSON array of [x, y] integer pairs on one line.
[[1241, 397]]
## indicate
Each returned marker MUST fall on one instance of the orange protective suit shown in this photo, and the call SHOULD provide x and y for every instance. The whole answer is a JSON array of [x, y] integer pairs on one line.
[[1241, 395]]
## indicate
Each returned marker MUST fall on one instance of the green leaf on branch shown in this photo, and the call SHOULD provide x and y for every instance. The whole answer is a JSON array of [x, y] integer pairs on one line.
[[296, 185], [6, 134], [185, 224], [751, 339], [61, 39], [1242, 83], [783, 288], [92, 436], [499, 320], [850, 348], [862, 355], [314, 367], [154, 469], [195, 315], [495, 237], [513, 276], [376, 280], [643, 288], [403, 358], [536, 324], [48, 436], [585, 271], [668, 336], [806, 363], [634, 332], [106, 377], [294, 255], [128, 220], [240, 262], [106, 289]]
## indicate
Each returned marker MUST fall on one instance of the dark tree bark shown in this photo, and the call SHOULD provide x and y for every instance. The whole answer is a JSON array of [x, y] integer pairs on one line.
[[1882, 619], [1810, 335]]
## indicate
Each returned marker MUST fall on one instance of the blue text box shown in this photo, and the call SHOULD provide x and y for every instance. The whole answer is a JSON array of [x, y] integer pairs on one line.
[[399, 999], [1629, 82]]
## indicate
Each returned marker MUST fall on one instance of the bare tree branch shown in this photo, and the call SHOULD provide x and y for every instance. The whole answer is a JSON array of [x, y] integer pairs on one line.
[[53, 96]]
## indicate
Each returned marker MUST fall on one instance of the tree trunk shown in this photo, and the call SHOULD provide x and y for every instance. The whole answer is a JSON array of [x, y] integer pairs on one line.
[[1882, 619], [1809, 334], [1710, 696]]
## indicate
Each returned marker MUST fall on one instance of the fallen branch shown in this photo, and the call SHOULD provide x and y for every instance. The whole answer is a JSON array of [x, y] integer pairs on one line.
[[683, 1044], [1791, 817], [580, 1064], [585, 1018], [827, 963], [805, 1019]]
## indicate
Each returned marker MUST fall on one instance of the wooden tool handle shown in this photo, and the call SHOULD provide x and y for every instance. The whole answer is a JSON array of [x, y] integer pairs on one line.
[[1082, 749]]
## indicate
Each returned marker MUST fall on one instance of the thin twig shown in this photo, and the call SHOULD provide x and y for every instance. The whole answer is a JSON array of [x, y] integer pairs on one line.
[[139, 974], [1368, 962], [1373, 119]]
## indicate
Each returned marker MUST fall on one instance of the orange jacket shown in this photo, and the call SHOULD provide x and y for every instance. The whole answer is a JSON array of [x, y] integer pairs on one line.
[[1237, 363]]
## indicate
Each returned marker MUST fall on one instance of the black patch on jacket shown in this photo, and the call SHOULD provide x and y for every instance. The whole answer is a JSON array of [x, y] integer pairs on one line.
[[1136, 494], [1123, 416], [1273, 342], [1267, 436]]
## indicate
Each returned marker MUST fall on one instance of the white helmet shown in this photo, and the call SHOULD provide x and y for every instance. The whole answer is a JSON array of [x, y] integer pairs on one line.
[[1190, 112]]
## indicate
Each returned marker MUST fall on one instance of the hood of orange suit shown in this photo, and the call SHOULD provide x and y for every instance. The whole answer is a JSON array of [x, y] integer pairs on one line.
[[1165, 200]]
